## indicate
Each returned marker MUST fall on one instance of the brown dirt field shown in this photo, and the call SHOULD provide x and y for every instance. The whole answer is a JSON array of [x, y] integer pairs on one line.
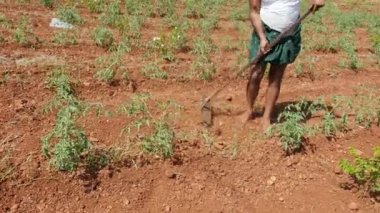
[[258, 178]]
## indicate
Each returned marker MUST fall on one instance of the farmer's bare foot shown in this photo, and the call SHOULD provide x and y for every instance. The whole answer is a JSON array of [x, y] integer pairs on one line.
[[246, 116], [265, 124]]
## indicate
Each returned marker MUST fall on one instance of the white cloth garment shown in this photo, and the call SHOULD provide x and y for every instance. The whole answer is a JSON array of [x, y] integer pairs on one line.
[[280, 14]]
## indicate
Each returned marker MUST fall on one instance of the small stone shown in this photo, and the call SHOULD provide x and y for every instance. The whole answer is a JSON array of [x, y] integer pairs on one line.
[[281, 199], [271, 181], [337, 170], [132, 86], [218, 132], [167, 208], [170, 174], [86, 84], [93, 139], [229, 98], [353, 206], [40, 206], [19, 105], [127, 202], [354, 190], [14, 208]]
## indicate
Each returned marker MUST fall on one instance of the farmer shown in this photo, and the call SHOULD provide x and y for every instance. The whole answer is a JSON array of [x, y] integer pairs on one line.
[[269, 18]]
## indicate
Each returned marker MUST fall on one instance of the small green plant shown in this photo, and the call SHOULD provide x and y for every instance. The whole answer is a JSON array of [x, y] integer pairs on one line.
[[365, 171], [367, 106], [298, 71], [139, 8], [203, 46], [191, 9], [202, 8], [4, 78], [133, 27], [327, 45], [203, 68], [23, 35], [162, 46], [375, 39], [112, 14], [160, 142], [234, 149], [72, 142], [293, 131], [103, 37], [208, 140], [48, 3], [240, 14], [329, 127], [153, 71], [208, 24], [347, 45], [166, 7], [177, 38], [70, 15], [65, 144], [96, 6], [343, 123], [137, 106], [4, 22], [195, 9], [65, 37], [348, 21], [22, 1], [108, 65], [2, 39], [7, 169], [107, 74]]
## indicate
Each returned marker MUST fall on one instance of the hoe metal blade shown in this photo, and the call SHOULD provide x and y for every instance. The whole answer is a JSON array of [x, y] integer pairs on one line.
[[206, 112]]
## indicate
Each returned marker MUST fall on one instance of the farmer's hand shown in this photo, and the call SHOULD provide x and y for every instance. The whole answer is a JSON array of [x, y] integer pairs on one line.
[[317, 4], [264, 46]]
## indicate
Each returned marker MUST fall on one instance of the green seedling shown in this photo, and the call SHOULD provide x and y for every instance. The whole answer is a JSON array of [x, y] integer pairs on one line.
[[137, 106], [70, 15], [4, 22], [153, 71], [160, 142], [48, 3], [208, 140], [103, 37], [112, 14], [166, 7], [23, 35], [107, 66], [65, 37], [329, 127], [96, 6], [365, 171], [65, 144]]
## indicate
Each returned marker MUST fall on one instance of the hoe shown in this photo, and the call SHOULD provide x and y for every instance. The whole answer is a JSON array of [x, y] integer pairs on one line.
[[206, 108]]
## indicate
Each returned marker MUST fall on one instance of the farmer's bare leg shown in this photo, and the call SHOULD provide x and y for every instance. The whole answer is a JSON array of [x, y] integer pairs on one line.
[[253, 87], [276, 73]]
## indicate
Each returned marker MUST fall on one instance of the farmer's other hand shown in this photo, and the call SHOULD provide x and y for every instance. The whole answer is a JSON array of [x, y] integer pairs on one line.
[[316, 5], [264, 46]]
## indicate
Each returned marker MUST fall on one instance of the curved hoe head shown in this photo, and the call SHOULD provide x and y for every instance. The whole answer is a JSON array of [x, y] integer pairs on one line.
[[206, 112]]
